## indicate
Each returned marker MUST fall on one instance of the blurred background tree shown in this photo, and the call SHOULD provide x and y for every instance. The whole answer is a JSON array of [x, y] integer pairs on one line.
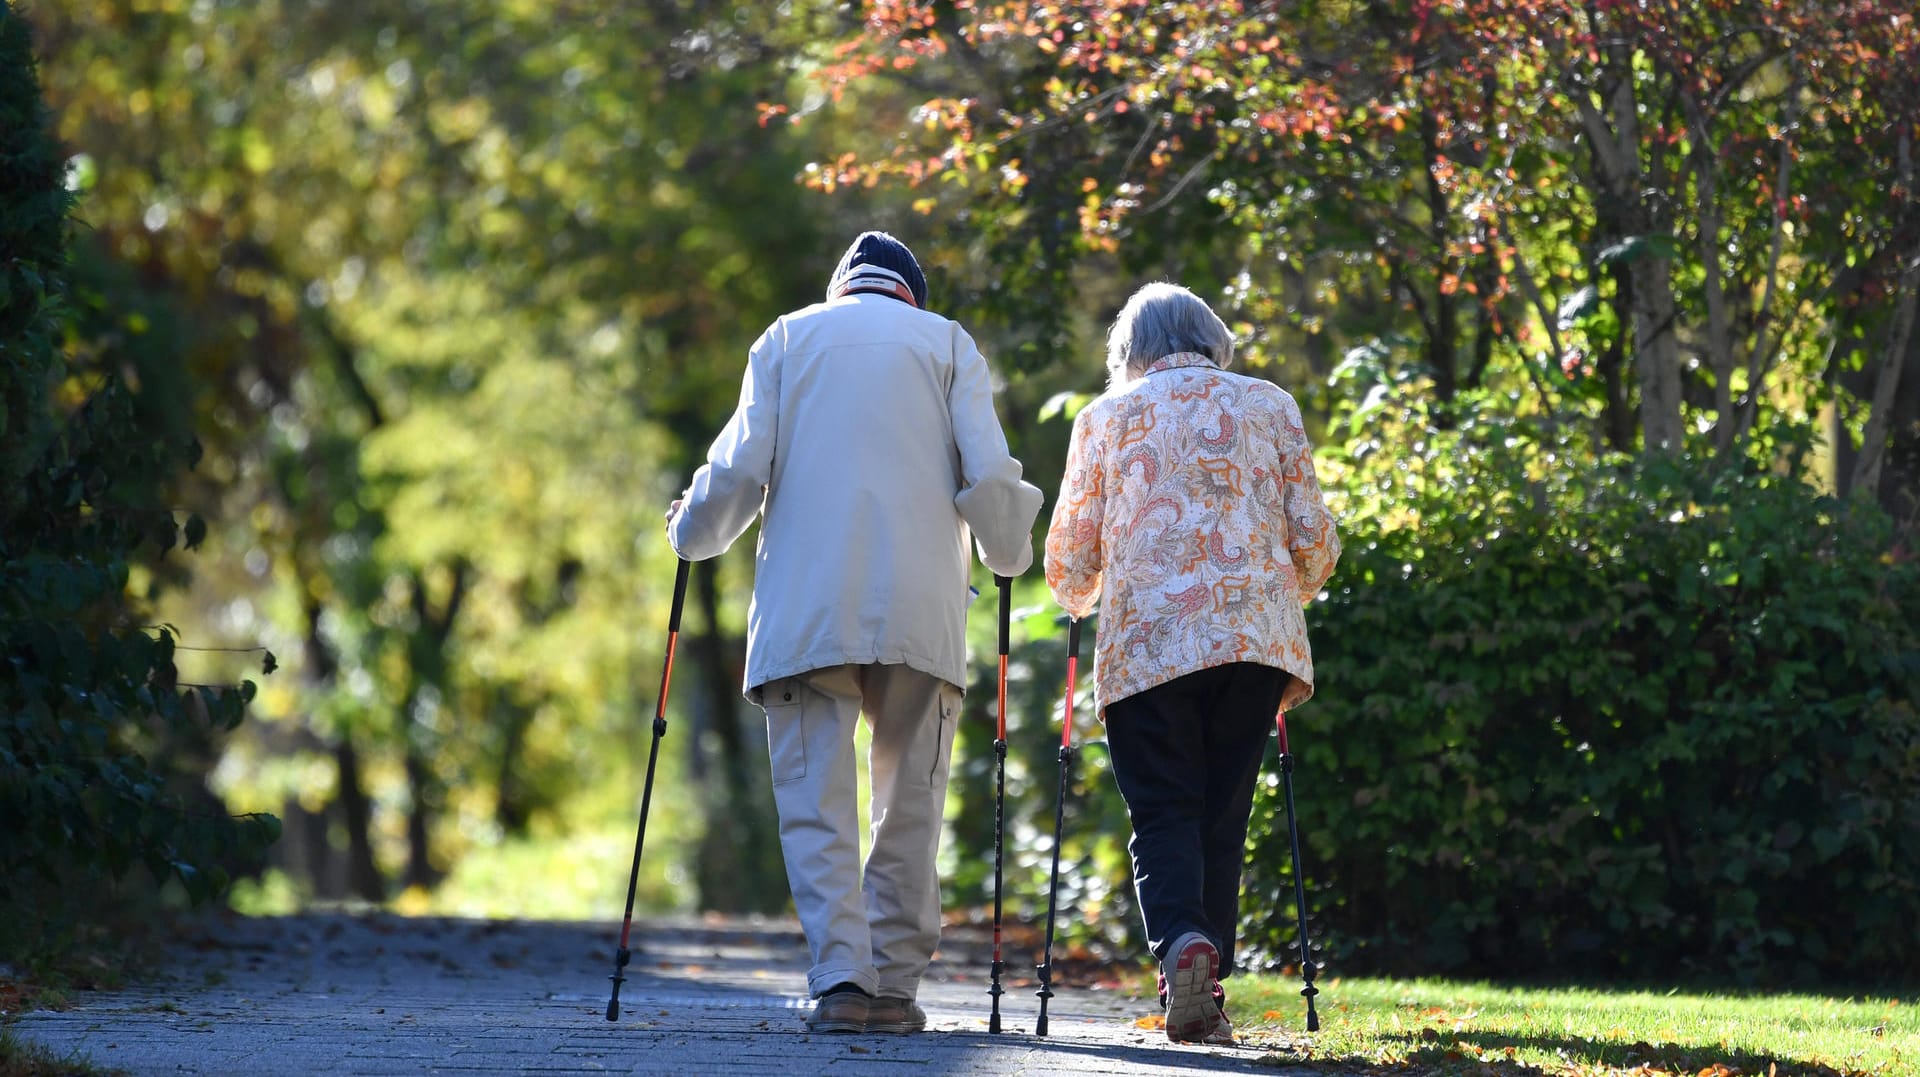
[[1601, 314]]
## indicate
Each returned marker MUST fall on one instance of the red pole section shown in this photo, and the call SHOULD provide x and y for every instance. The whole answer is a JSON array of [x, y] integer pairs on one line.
[[1066, 709]]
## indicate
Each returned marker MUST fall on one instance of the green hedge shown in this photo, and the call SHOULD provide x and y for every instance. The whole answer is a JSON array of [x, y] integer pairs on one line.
[[99, 802], [1637, 724]]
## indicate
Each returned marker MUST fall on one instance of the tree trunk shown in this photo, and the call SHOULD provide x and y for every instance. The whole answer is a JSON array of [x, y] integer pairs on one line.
[[427, 654], [419, 871], [1867, 468], [510, 809], [1615, 138], [1442, 335], [1900, 477], [356, 808], [363, 878], [1656, 355], [1705, 164]]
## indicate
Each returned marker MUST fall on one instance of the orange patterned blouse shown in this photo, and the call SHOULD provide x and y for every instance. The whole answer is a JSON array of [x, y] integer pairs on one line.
[[1191, 512]]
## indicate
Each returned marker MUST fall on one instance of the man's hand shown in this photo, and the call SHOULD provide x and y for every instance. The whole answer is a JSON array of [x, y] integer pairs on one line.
[[672, 511]]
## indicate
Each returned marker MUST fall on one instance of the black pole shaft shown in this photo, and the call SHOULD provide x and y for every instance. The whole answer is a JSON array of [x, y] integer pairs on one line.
[[1059, 823], [622, 955], [1299, 883], [1005, 587]]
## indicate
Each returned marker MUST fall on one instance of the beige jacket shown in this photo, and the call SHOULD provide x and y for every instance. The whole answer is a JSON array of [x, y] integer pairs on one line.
[[866, 439]]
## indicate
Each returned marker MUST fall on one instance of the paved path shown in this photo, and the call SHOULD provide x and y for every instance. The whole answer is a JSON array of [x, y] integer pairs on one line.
[[333, 993]]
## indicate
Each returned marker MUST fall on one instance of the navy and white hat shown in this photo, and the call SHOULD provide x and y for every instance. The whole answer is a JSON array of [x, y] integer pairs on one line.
[[880, 263]]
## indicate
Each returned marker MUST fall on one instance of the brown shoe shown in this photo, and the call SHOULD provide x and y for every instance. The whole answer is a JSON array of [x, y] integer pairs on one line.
[[896, 1015], [843, 1011]]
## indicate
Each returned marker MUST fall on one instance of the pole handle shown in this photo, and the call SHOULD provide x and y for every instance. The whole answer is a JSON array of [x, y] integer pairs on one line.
[[679, 595], [1005, 584], [1280, 720]]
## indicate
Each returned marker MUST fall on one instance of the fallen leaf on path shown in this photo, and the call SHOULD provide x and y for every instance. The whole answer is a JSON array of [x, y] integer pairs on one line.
[[1151, 1021]]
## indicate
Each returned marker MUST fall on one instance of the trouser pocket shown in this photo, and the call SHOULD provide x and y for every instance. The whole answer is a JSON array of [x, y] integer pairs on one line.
[[784, 702]]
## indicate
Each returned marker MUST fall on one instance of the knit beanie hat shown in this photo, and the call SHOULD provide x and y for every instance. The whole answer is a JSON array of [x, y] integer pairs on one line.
[[878, 250]]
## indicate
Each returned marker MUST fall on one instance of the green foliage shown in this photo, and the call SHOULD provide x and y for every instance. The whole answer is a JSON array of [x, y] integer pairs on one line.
[[92, 712], [1603, 720], [32, 233]]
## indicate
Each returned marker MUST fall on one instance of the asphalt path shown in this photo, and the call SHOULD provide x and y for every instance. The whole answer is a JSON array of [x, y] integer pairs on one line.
[[339, 993]]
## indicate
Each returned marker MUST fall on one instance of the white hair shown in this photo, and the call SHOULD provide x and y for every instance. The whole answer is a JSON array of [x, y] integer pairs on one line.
[[1159, 320]]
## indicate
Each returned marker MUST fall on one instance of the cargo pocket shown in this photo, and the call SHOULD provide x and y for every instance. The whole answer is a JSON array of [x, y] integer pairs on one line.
[[948, 725], [786, 730]]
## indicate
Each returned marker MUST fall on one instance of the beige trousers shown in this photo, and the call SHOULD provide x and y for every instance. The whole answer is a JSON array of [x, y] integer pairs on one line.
[[875, 928]]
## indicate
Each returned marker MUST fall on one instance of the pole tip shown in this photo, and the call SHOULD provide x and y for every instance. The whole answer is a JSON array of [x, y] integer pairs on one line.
[[613, 1009]]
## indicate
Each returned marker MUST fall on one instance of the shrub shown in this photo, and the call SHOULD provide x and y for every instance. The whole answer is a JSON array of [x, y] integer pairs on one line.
[[95, 803], [1624, 721]]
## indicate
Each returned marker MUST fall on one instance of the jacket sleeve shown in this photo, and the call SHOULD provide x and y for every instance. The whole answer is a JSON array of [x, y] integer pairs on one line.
[[1311, 538], [996, 504], [1074, 554], [728, 490]]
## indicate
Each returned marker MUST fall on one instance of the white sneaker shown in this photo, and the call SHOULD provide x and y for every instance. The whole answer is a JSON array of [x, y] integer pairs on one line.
[[1190, 969]]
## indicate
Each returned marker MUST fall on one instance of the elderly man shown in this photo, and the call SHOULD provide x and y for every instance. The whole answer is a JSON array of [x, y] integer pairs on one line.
[[866, 439], [1190, 511]]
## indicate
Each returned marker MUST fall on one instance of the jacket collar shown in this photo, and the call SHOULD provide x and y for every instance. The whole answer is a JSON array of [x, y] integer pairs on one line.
[[873, 280], [1180, 359]]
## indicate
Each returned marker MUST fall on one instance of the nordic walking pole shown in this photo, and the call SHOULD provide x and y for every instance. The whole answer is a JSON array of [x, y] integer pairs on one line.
[[1299, 886], [1059, 821], [623, 955], [1000, 790]]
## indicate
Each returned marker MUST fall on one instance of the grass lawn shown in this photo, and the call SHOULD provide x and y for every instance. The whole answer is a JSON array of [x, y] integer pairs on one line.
[[1438, 1027], [19, 1059]]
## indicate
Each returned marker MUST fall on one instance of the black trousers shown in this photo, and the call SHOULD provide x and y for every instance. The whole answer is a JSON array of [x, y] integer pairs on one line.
[[1186, 755]]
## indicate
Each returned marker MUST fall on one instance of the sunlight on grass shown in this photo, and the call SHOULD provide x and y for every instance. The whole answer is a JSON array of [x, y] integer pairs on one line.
[[1433, 1026]]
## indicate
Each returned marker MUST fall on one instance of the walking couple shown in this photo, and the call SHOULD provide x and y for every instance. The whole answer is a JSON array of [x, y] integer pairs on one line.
[[866, 442]]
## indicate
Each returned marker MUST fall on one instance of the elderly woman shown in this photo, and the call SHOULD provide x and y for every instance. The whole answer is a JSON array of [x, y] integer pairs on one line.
[[1190, 512]]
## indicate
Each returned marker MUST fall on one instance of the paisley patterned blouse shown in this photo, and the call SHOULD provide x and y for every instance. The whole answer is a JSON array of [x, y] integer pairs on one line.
[[1190, 511]]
